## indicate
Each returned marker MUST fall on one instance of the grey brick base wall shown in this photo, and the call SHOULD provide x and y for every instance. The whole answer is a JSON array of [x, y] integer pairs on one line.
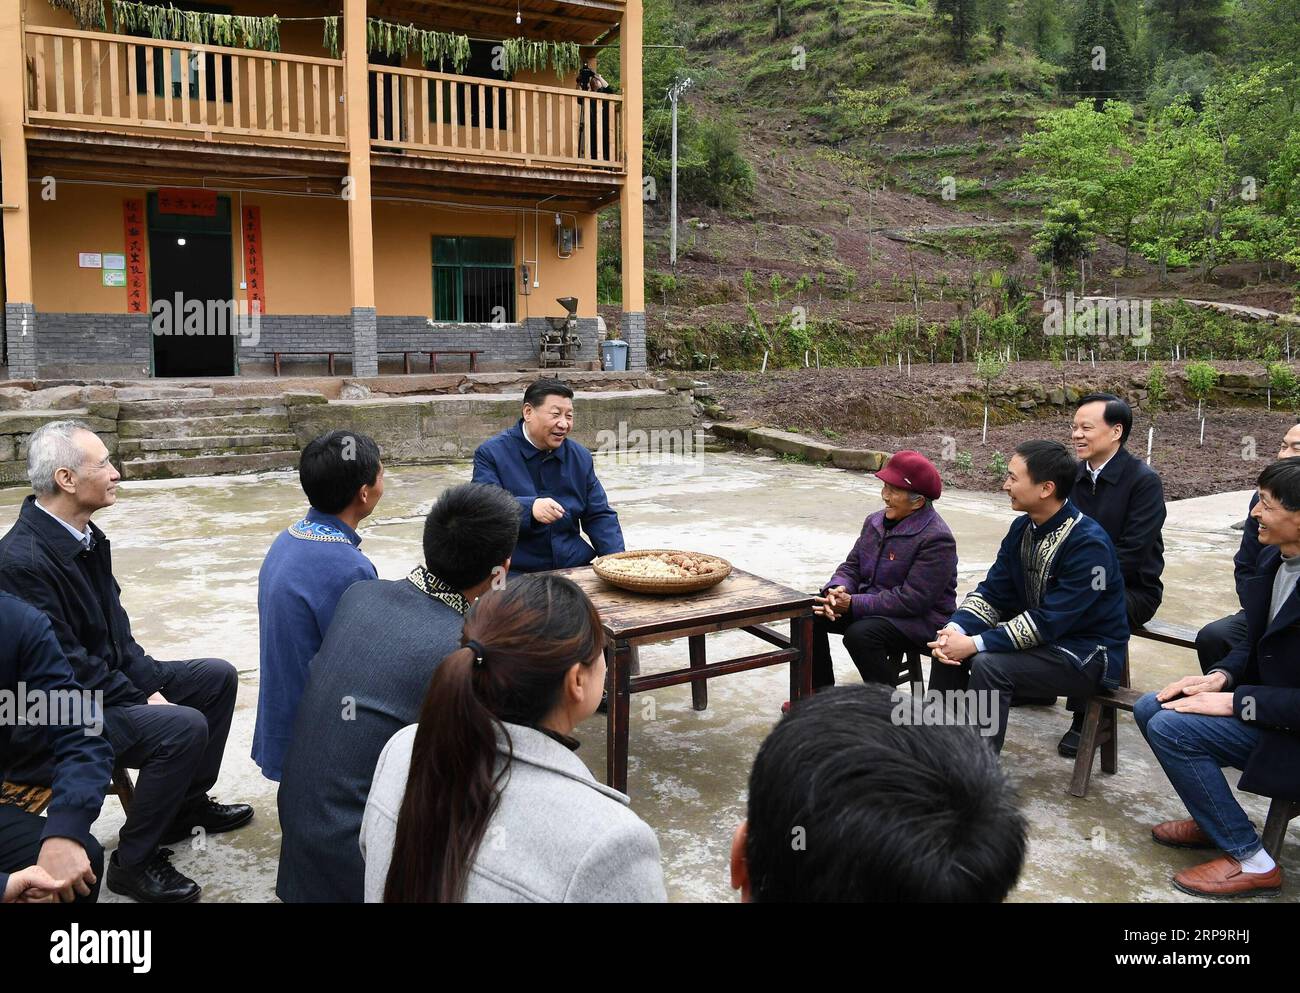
[[81, 346], [19, 346], [365, 360], [119, 346], [634, 335], [507, 343]]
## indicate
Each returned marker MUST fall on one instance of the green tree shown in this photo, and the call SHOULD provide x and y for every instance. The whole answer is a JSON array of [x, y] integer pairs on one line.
[[962, 17], [1201, 379], [988, 366], [1191, 25], [1184, 166], [1100, 65], [1088, 156], [714, 169], [1037, 25], [1065, 238]]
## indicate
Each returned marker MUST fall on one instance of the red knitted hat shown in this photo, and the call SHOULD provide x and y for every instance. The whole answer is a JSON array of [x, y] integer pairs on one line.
[[912, 471]]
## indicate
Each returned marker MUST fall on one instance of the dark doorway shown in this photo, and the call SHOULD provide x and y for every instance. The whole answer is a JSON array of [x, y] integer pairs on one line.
[[191, 282]]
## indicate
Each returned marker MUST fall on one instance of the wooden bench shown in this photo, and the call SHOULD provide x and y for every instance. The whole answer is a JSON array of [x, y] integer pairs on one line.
[[472, 353], [404, 353], [34, 799], [275, 357], [1100, 722], [1100, 727]]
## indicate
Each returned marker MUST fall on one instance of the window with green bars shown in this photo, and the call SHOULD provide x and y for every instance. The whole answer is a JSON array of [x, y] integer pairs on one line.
[[474, 280]]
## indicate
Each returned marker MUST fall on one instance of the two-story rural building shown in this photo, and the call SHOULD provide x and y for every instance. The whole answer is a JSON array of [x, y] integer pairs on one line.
[[366, 204]]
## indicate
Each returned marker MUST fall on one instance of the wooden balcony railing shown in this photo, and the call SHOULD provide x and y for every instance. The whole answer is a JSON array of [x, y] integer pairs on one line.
[[461, 116], [114, 81]]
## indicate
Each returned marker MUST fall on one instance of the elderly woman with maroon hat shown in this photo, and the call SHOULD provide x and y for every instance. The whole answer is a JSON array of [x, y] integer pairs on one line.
[[899, 583]]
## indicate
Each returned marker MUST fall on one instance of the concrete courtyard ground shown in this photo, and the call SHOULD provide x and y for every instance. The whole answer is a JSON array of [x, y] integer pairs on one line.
[[187, 553]]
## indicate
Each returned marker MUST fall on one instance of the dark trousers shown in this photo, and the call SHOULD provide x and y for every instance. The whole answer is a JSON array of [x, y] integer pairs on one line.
[[177, 749], [1042, 671], [20, 846], [1140, 610], [1218, 638], [869, 642]]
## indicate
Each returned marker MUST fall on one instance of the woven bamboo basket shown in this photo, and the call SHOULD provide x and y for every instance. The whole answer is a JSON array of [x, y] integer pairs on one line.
[[637, 584]]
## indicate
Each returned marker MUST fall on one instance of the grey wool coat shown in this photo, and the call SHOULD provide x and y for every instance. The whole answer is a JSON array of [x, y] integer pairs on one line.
[[557, 836]]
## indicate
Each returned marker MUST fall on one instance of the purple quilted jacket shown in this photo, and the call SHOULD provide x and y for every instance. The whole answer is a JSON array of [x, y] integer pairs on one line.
[[908, 574]]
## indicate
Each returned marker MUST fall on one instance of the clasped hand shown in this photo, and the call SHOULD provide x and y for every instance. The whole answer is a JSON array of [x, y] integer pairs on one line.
[[834, 605], [951, 647]]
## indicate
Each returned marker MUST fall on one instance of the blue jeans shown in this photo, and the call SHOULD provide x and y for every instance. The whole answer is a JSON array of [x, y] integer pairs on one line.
[[1193, 749]]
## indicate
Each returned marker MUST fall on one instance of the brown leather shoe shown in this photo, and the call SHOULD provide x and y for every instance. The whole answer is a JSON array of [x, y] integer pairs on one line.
[[1181, 834], [1222, 879]]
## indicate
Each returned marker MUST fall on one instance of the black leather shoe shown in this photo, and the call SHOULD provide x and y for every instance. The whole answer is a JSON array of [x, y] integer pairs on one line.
[[1068, 746], [213, 817], [157, 881]]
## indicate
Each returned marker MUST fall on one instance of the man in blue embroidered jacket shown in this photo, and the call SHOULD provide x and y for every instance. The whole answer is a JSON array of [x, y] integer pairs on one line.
[[1050, 617], [554, 480], [308, 568]]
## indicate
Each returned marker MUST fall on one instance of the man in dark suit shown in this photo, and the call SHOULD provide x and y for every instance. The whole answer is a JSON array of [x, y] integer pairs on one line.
[[167, 719], [1243, 713], [1216, 639], [1124, 495], [54, 857]]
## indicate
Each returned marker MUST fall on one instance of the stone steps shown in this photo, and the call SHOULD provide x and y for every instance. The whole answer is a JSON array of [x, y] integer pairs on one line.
[[208, 465], [205, 427], [173, 436], [235, 444], [173, 407]]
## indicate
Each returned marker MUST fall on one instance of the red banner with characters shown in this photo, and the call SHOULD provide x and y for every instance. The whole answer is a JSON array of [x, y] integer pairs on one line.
[[137, 289], [253, 266], [199, 203]]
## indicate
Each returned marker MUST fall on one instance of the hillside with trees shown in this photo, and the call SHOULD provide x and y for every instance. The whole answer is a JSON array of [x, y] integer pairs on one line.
[[862, 182]]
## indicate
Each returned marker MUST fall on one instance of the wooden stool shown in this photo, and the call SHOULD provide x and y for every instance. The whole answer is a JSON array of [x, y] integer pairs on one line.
[[907, 663], [34, 799]]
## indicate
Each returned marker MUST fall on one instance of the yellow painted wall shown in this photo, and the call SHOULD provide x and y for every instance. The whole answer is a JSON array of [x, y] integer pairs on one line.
[[404, 256], [305, 245]]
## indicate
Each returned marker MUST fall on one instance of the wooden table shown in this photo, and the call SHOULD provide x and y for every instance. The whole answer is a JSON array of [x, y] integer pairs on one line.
[[742, 600]]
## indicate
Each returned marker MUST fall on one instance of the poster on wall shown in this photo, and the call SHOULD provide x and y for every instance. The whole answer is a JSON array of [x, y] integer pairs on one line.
[[114, 277], [252, 225], [114, 260], [88, 260], [137, 293], [196, 203]]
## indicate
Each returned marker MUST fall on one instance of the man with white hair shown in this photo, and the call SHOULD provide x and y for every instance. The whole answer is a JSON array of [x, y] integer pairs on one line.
[[167, 719]]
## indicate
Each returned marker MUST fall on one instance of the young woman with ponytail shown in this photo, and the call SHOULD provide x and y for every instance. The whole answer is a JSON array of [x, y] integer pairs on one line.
[[484, 800]]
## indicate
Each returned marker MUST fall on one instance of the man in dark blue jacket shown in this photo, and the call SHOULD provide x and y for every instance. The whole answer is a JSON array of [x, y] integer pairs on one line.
[[1216, 639], [170, 720], [1244, 713], [1050, 617], [554, 480], [53, 856]]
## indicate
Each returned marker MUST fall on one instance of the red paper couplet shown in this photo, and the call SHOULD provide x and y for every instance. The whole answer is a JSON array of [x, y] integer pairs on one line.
[[137, 292], [252, 225]]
